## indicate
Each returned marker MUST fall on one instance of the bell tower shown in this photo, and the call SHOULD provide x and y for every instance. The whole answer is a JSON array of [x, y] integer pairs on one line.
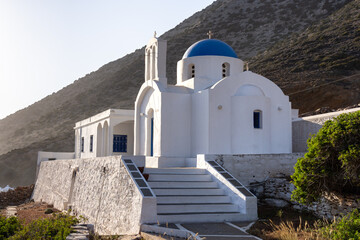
[[155, 60]]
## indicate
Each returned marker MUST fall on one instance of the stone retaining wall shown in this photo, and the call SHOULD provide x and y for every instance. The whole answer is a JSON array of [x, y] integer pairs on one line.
[[268, 177], [100, 189], [249, 168], [277, 192]]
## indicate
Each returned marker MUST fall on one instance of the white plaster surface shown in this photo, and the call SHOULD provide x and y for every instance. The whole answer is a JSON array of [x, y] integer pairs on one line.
[[46, 156], [247, 204], [303, 128], [102, 191], [249, 168], [102, 127]]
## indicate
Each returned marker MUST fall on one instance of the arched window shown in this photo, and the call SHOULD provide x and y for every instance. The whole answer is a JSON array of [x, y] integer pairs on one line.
[[153, 62], [147, 64], [225, 69], [191, 71], [257, 117]]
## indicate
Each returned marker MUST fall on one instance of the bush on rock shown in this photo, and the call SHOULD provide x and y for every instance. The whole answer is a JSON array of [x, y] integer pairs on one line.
[[332, 163]]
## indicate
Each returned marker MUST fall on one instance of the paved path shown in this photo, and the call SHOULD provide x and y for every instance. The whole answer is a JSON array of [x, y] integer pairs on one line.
[[213, 231], [220, 231]]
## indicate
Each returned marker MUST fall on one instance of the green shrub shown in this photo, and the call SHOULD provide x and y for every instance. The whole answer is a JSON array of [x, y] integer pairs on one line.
[[8, 226], [58, 227], [332, 163], [347, 227]]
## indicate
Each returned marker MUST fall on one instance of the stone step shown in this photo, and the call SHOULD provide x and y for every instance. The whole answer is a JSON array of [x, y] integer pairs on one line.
[[192, 199], [175, 171], [154, 185], [179, 178], [188, 191], [195, 208], [201, 217]]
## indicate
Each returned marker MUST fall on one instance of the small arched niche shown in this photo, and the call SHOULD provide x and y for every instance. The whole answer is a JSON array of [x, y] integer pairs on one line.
[[249, 90]]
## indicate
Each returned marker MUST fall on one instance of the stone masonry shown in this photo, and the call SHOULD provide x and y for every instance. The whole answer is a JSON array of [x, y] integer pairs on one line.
[[99, 188]]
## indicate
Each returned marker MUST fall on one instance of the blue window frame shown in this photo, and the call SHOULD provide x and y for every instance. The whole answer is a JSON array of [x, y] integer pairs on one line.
[[257, 119], [91, 142], [82, 144], [120, 143], [152, 138]]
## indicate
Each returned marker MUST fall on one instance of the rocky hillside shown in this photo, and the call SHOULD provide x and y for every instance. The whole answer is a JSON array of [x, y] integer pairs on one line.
[[249, 26], [319, 67]]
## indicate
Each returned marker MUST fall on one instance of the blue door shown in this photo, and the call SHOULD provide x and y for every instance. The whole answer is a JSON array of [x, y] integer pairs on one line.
[[152, 138]]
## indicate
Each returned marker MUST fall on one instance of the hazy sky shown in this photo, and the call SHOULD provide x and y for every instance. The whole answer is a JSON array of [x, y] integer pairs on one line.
[[47, 44]]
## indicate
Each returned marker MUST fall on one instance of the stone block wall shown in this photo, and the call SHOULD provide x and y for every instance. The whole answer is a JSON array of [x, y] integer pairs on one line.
[[277, 192], [250, 168], [100, 189]]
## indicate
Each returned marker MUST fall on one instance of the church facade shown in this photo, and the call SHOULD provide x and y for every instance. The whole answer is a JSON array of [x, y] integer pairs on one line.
[[215, 108]]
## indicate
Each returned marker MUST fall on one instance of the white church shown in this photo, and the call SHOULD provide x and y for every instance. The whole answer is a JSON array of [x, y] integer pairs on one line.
[[215, 108], [170, 147]]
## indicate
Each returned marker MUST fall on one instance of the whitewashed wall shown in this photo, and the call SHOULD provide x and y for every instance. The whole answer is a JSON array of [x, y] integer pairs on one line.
[[200, 123], [208, 70], [176, 125], [101, 190], [46, 156], [303, 128], [231, 116], [101, 127]]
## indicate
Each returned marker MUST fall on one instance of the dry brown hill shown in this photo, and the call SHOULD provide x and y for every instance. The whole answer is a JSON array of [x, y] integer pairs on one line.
[[250, 26], [319, 67]]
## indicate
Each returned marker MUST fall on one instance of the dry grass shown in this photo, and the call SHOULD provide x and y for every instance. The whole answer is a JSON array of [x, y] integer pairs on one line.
[[287, 231], [285, 223]]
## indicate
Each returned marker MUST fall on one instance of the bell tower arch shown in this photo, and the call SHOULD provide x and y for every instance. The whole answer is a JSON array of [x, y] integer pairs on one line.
[[155, 60]]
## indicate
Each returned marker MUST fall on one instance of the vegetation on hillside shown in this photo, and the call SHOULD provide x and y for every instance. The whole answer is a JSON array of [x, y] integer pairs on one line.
[[289, 224], [332, 163], [8, 227], [319, 67], [57, 227]]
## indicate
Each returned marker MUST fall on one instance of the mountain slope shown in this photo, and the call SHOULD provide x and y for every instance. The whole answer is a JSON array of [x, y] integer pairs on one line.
[[249, 26], [319, 67]]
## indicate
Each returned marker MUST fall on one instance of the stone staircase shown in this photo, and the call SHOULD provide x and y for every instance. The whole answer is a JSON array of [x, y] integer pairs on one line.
[[190, 195]]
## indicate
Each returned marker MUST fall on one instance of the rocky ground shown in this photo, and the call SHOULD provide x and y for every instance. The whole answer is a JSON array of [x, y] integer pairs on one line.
[[26, 210], [16, 197]]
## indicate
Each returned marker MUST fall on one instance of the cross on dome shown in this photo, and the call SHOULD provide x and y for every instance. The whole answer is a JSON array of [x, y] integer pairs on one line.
[[210, 34], [247, 66]]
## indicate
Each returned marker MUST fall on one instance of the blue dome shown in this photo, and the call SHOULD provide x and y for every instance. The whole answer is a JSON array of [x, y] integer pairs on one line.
[[210, 47]]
